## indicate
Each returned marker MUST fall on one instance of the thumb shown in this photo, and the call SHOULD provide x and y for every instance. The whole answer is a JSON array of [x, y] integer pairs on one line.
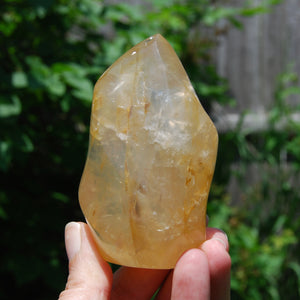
[[90, 277]]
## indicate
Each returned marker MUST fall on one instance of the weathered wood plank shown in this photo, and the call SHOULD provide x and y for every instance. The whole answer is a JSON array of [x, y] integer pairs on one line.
[[253, 58]]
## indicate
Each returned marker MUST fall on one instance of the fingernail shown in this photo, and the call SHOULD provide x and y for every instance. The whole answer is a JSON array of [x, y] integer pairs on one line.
[[224, 233], [220, 240], [72, 239]]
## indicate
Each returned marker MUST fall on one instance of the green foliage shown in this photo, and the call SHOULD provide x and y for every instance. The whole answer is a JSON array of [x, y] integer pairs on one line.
[[259, 263], [264, 228], [53, 51]]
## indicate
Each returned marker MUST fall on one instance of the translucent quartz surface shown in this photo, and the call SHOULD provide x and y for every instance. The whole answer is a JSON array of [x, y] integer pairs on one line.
[[151, 160]]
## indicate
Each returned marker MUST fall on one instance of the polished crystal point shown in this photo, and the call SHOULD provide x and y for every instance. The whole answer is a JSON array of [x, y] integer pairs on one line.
[[150, 162]]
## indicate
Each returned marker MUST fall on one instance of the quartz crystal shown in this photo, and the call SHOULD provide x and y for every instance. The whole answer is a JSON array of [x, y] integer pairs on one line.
[[150, 162]]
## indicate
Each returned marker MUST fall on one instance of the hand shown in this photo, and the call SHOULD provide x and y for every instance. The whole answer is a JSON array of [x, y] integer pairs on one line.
[[202, 273]]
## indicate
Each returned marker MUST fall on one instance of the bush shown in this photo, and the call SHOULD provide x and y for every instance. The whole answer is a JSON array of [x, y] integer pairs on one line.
[[264, 228]]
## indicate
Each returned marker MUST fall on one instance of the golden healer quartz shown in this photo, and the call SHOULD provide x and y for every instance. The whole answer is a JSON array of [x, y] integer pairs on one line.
[[151, 159]]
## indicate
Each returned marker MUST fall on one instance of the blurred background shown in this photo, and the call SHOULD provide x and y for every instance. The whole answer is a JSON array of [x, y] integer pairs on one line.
[[243, 58]]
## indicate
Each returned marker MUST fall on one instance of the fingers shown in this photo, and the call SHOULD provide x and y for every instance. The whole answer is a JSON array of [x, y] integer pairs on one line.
[[216, 249], [134, 283], [217, 234], [189, 280], [199, 274], [191, 277], [90, 277]]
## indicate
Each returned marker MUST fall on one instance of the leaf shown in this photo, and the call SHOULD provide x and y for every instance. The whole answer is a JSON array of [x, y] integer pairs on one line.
[[9, 21], [82, 87], [19, 79], [74, 80], [38, 68], [293, 147], [3, 201], [271, 143], [86, 95], [161, 4], [54, 85], [10, 109], [3, 214], [48, 77], [60, 197], [248, 12], [296, 268], [5, 156], [27, 145], [235, 22], [125, 13], [65, 104], [214, 14], [113, 49], [293, 90], [65, 69]]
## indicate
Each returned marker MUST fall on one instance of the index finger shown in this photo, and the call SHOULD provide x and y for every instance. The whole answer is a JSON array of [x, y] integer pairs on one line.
[[216, 249]]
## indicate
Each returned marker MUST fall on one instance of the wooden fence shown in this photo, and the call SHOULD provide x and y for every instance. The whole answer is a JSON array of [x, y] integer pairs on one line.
[[253, 58]]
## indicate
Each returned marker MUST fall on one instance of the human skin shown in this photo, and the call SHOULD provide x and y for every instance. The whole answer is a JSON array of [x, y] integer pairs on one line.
[[200, 273]]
